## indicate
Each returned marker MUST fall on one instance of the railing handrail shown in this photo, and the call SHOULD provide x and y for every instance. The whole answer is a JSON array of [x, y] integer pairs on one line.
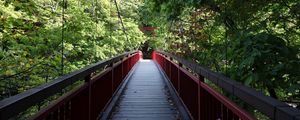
[[14, 105], [269, 106]]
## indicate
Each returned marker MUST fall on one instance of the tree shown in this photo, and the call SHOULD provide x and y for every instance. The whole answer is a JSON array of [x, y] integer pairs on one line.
[[260, 39], [32, 41]]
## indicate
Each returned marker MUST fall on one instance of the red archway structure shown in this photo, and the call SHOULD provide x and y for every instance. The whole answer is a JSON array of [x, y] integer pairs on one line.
[[148, 30]]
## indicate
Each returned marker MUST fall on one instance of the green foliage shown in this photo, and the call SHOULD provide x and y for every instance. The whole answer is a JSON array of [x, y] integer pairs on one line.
[[254, 42], [31, 38], [265, 61]]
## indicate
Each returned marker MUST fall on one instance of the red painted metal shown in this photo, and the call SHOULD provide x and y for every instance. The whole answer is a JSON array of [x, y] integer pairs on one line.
[[147, 28], [203, 102], [141, 55], [87, 101]]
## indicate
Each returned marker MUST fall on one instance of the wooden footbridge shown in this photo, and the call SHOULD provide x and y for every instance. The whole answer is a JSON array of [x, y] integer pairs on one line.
[[127, 87]]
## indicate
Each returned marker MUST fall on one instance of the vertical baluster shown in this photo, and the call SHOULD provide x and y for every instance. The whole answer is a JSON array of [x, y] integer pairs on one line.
[[222, 112], [213, 107], [200, 80], [230, 114], [62, 112], [225, 113], [49, 117], [122, 71], [165, 64], [170, 68], [56, 114], [235, 117], [179, 79], [112, 78], [128, 64], [209, 106], [88, 80], [202, 104], [67, 115], [218, 109]]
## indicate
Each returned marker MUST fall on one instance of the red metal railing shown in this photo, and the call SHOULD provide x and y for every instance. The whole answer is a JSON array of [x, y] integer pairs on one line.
[[85, 102], [201, 100], [88, 101]]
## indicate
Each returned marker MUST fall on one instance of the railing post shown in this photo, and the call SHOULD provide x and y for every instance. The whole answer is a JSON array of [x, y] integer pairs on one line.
[[165, 64], [88, 81], [122, 72], [170, 68], [154, 56], [140, 55], [178, 76], [128, 64], [112, 77]]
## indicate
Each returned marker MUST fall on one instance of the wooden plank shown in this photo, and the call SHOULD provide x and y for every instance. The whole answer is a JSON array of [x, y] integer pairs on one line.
[[146, 96]]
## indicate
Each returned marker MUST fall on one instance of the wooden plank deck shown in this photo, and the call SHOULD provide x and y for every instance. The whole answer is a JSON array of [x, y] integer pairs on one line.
[[146, 96]]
